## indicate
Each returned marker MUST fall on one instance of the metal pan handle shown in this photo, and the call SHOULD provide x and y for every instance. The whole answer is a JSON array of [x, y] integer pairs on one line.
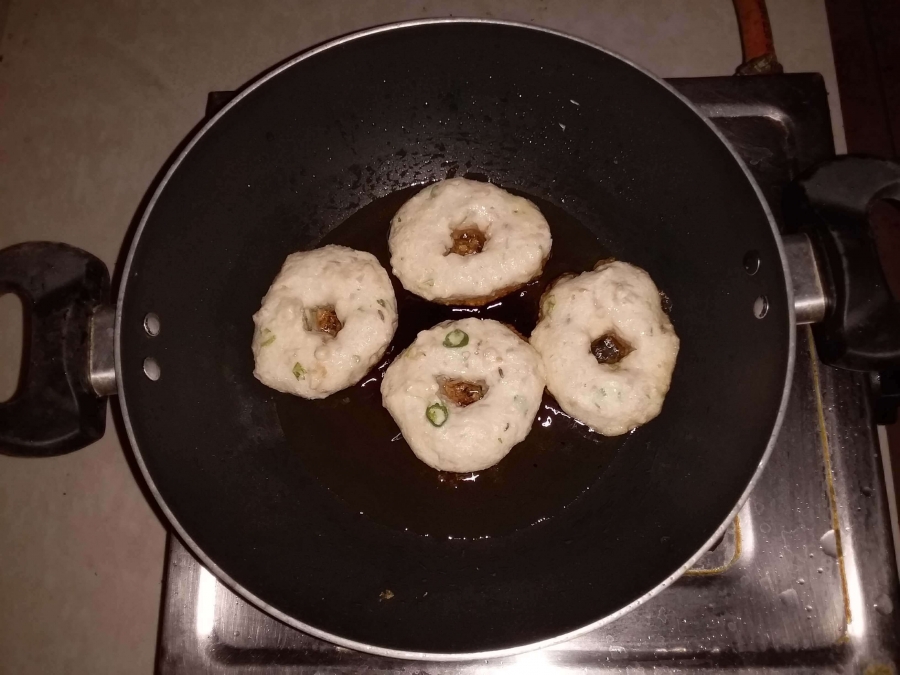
[[65, 293], [857, 325]]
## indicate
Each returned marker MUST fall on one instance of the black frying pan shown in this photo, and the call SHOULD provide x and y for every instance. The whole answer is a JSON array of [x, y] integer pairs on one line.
[[314, 510]]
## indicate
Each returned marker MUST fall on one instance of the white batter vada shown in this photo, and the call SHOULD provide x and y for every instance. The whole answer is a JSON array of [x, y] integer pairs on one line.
[[608, 347], [326, 320], [464, 242], [464, 393]]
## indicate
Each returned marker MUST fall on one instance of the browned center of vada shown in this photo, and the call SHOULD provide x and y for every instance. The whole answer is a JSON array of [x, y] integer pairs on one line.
[[609, 349], [461, 392], [326, 321], [467, 241]]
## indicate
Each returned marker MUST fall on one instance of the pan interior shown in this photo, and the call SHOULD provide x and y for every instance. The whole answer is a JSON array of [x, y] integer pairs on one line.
[[298, 155], [352, 446]]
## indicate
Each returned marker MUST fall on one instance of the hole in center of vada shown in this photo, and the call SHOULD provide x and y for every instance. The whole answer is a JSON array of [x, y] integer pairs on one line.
[[467, 240], [324, 320], [609, 349], [461, 392]]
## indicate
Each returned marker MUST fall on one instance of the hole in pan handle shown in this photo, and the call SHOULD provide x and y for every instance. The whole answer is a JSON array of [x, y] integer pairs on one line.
[[56, 408], [860, 327]]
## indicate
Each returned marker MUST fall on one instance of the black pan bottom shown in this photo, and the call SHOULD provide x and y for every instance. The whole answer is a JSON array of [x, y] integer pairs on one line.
[[355, 448]]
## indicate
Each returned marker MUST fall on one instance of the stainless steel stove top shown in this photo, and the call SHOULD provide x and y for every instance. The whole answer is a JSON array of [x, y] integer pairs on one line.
[[804, 581]]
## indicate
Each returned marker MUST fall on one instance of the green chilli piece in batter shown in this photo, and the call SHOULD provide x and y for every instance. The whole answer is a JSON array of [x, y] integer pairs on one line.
[[456, 338], [299, 371], [437, 414]]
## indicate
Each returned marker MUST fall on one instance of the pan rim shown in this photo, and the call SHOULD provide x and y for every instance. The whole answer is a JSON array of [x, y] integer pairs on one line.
[[444, 656]]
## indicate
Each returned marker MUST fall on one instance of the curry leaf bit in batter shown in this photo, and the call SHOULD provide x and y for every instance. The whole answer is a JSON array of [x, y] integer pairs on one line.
[[437, 414], [299, 371], [456, 338], [269, 340], [549, 304], [521, 404]]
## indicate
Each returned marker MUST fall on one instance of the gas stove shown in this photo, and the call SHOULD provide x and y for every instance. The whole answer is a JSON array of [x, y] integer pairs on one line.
[[803, 581]]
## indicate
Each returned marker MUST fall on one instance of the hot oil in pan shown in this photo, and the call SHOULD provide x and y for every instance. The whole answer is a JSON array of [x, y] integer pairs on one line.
[[350, 443]]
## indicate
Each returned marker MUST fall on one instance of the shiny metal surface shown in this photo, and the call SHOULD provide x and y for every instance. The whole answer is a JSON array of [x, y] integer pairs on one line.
[[803, 581], [102, 364], [810, 302]]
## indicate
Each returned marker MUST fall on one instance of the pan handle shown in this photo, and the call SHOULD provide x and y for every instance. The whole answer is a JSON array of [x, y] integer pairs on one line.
[[65, 293], [860, 329]]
